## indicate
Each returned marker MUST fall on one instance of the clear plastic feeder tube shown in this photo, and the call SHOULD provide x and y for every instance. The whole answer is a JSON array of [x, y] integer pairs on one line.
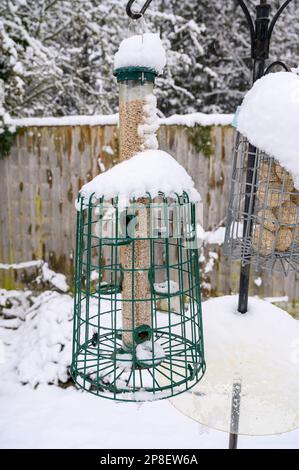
[[134, 86], [132, 96]]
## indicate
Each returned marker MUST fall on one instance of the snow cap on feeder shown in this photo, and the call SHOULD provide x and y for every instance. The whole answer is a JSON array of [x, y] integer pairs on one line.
[[138, 61], [140, 54], [144, 169], [149, 172], [269, 118]]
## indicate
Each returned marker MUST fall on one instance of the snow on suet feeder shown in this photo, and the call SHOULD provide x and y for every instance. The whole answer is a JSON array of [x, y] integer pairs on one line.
[[137, 323], [263, 215]]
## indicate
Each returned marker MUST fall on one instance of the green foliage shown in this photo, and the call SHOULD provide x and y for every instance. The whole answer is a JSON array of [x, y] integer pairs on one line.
[[6, 141], [200, 138]]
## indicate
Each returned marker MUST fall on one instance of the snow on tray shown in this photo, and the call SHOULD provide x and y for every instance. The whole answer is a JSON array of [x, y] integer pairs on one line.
[[258, 349], [149, 353], [166, 287], [144, 50], [150, 171], [269, 118]]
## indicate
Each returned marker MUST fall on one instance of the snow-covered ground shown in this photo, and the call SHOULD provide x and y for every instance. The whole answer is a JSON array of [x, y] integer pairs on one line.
[[49, 417]]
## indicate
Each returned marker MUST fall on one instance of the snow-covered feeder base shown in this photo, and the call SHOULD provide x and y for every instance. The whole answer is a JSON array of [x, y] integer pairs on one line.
[[167, 365], [258, 350]]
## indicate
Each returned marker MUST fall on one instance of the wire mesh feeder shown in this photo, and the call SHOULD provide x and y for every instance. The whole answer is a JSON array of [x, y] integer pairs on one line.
[[158, 352], [263, 224]]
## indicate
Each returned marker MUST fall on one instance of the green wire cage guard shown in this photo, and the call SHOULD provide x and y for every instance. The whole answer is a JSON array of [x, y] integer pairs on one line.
[[148, 343]]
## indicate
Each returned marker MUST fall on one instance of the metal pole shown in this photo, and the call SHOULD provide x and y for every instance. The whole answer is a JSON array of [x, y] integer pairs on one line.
[[233, 441], [235, 415], [260, 53]]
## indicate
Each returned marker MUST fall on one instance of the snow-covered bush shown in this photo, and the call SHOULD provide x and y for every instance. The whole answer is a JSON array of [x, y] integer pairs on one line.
[[49, 278], [57, 56], [37, 330], [13, 305], [7, 131], [43, 344]]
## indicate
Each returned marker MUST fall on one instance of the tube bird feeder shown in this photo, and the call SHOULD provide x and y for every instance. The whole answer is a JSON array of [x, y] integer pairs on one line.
[[137, 322], [136, 84]]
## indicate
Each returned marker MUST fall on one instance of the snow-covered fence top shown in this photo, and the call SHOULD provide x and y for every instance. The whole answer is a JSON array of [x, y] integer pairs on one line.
[[52, 158], [189, 120]]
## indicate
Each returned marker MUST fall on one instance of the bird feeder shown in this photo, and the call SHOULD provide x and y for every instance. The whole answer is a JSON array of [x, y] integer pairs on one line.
[[247, 231], [137, 321], [263, 213]]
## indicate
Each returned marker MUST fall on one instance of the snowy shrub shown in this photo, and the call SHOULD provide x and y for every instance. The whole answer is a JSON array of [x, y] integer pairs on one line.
[[42, 348], [7, 131], [13, 305], [37, 329], [50, 278], [6, 141], [57, 56]]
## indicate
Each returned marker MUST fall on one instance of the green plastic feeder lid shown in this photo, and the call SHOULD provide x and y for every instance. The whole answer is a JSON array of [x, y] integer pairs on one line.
[[142, 74]]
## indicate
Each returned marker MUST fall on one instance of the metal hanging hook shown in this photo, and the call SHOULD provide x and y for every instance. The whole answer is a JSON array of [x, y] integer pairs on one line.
[[137, 15]]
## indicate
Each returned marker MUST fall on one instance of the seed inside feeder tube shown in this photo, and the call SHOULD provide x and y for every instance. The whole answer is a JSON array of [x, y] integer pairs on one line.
[[137, 111], [131, 115]]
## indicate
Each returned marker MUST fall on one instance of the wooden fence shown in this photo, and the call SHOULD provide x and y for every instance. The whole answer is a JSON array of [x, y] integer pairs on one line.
[[48, 165]]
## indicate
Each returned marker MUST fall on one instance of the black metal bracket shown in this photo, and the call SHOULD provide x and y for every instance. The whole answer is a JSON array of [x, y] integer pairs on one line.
[[249, 22], [276, 16], [137, 15], [261, 31]]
